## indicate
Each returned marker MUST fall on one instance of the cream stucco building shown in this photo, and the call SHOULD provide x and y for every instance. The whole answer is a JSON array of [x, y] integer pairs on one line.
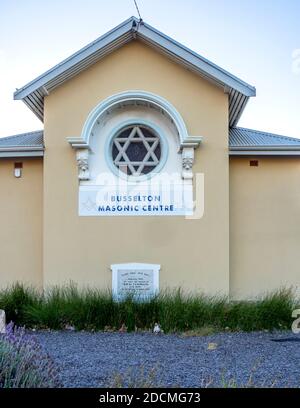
[[133, 109]]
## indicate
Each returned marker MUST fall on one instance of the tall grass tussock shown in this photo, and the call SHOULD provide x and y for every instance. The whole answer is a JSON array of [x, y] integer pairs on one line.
[[93, 309]]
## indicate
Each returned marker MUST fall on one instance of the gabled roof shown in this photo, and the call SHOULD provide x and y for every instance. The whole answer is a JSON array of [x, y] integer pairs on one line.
[[244, 141], [34, 92], [25, 144]]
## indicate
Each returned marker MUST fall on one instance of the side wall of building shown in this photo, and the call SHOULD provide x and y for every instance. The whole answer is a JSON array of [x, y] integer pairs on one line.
[[264, 225], [21, 222], [193, 254]]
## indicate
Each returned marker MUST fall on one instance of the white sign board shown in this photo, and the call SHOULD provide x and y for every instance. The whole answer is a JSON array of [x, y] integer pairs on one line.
[[137, 279], [141, 200]]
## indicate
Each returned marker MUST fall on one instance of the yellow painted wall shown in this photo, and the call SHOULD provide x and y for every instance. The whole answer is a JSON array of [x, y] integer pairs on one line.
[[264, 225], [193, 254], [21, 222]]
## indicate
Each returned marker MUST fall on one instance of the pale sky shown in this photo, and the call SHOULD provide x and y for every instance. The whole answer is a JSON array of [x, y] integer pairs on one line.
[[256, 40]]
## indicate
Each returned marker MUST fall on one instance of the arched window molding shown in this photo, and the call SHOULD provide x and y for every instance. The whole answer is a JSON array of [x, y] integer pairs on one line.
[[186, 143]]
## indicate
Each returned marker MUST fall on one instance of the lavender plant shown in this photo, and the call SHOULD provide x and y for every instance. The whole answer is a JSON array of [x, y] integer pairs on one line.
[[23, 363]]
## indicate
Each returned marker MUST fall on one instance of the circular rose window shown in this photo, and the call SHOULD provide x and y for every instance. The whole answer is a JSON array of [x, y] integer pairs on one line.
[[136, 150]]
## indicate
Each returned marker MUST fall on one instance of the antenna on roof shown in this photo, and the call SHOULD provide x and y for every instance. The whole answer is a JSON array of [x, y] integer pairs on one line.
[[137, 9]]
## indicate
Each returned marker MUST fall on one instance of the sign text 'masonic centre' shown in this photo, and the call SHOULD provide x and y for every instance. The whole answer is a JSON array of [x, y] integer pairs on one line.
[[108, 201]]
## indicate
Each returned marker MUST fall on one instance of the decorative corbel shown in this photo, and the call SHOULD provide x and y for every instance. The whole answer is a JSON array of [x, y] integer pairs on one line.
[[82, 157], [187, 148], [187, 162]]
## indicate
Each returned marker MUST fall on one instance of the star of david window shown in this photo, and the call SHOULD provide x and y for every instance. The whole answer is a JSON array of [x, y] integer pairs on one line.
[[136, 150]]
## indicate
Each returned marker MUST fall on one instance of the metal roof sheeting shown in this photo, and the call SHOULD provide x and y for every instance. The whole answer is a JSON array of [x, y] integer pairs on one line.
[[242, 141], [30, 139], [247, 138], [29, 144], [34, 92]]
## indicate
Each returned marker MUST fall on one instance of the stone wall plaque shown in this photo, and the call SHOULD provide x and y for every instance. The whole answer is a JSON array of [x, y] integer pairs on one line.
[[137, 279]]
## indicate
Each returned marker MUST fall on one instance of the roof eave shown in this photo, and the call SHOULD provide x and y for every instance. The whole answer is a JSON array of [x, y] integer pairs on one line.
[[266, 147], [204, 66], [75, 58], [34, 92], [17, 151], [265, 151]]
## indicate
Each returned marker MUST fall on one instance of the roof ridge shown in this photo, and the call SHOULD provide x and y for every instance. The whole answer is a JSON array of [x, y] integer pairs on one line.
[[266, 133]]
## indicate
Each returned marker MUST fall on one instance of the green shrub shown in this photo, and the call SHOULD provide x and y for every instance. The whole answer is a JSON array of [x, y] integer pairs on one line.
[[93, 309]]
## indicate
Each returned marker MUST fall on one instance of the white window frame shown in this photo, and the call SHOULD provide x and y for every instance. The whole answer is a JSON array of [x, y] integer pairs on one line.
[[136, 122]]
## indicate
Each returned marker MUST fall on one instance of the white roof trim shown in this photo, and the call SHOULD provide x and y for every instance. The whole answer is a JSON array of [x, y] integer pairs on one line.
[[291, 151], [201, 64], [21, 148], [21, 152], [34, 92], [265, 147], [62, 67]]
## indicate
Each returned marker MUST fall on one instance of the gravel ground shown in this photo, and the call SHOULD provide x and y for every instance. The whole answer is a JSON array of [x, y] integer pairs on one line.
[[92, 359]]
